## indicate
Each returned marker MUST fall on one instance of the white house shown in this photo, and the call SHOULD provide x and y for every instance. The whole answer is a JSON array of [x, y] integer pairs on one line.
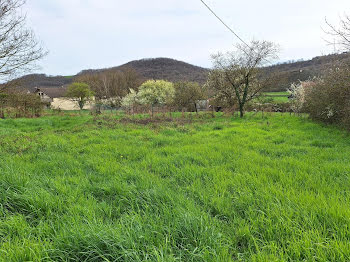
[[54, 98]]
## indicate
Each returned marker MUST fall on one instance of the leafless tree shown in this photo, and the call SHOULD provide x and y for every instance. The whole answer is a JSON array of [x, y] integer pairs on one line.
[[340, 33], [237, 75], [19, 48], [186, 95]]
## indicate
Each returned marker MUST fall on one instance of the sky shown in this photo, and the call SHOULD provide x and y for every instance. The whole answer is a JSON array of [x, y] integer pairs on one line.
[[91, 34]]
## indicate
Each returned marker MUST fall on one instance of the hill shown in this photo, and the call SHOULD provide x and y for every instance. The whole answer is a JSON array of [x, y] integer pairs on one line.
[[162, 68], [294, 71]]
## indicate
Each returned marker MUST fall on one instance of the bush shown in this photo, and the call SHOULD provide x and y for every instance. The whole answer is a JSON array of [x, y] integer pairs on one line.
[[297, 94], [328, 99], [19, 104]]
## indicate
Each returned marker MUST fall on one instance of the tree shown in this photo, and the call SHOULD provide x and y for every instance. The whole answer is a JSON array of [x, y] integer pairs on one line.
[[156, 92], [341, 33], [220, 88], [19, 49], [79, 92], [237, 75], [187, 94]]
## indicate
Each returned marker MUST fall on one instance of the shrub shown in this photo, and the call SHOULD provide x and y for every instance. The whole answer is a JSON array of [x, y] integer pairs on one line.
[[297, 93], [328, 99], [14, 103], [130, 100]]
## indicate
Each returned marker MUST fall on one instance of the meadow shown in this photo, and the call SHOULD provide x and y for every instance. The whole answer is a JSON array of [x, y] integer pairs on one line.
[[278, 97], [108, 188]]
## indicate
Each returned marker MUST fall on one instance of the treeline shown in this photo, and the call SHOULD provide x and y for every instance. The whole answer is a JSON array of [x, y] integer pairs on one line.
[[115, 89], [111, 86]]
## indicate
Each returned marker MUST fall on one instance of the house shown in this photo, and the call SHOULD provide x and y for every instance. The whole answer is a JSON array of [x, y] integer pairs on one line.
[[48, 94], [54, 98]]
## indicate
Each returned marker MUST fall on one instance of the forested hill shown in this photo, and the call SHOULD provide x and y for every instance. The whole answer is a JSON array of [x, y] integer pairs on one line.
[[163, 68], [156, 68], [291, 72], [173, 70]]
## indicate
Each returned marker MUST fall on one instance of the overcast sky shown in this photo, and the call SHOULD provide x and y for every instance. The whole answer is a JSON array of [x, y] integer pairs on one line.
[[82, 34]]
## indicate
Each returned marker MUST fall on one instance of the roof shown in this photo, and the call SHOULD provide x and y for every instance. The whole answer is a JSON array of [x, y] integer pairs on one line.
[[53, 92]]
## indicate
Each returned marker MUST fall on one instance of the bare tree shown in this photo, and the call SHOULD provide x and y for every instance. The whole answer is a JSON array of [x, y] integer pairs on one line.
[[237, 75], [220, 88], [186, 95], [340, 33], [19, 48]]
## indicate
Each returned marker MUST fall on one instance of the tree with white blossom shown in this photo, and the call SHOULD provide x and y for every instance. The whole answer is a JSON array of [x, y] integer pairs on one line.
[[156, 93]]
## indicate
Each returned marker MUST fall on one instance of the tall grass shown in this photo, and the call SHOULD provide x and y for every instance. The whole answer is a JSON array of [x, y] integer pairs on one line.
[[222, 189]]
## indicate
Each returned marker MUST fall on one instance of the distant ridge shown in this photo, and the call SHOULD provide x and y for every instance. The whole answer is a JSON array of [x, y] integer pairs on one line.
[[41, 80], [174, 70]]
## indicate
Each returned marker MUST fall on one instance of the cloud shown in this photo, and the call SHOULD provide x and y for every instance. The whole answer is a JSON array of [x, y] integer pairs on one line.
[[84, 34]]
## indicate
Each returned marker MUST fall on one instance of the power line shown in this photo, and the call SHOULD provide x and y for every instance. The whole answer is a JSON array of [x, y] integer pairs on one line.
[[230, 29], [222, 21]]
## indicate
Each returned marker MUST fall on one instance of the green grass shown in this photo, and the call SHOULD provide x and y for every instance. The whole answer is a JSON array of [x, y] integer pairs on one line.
[[280, 99], [276, 93], [277, 97], [222, 189]]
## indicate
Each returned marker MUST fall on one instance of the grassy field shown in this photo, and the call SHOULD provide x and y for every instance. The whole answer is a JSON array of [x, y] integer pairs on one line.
[[277, 93], [279, 97], [210, 189]]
